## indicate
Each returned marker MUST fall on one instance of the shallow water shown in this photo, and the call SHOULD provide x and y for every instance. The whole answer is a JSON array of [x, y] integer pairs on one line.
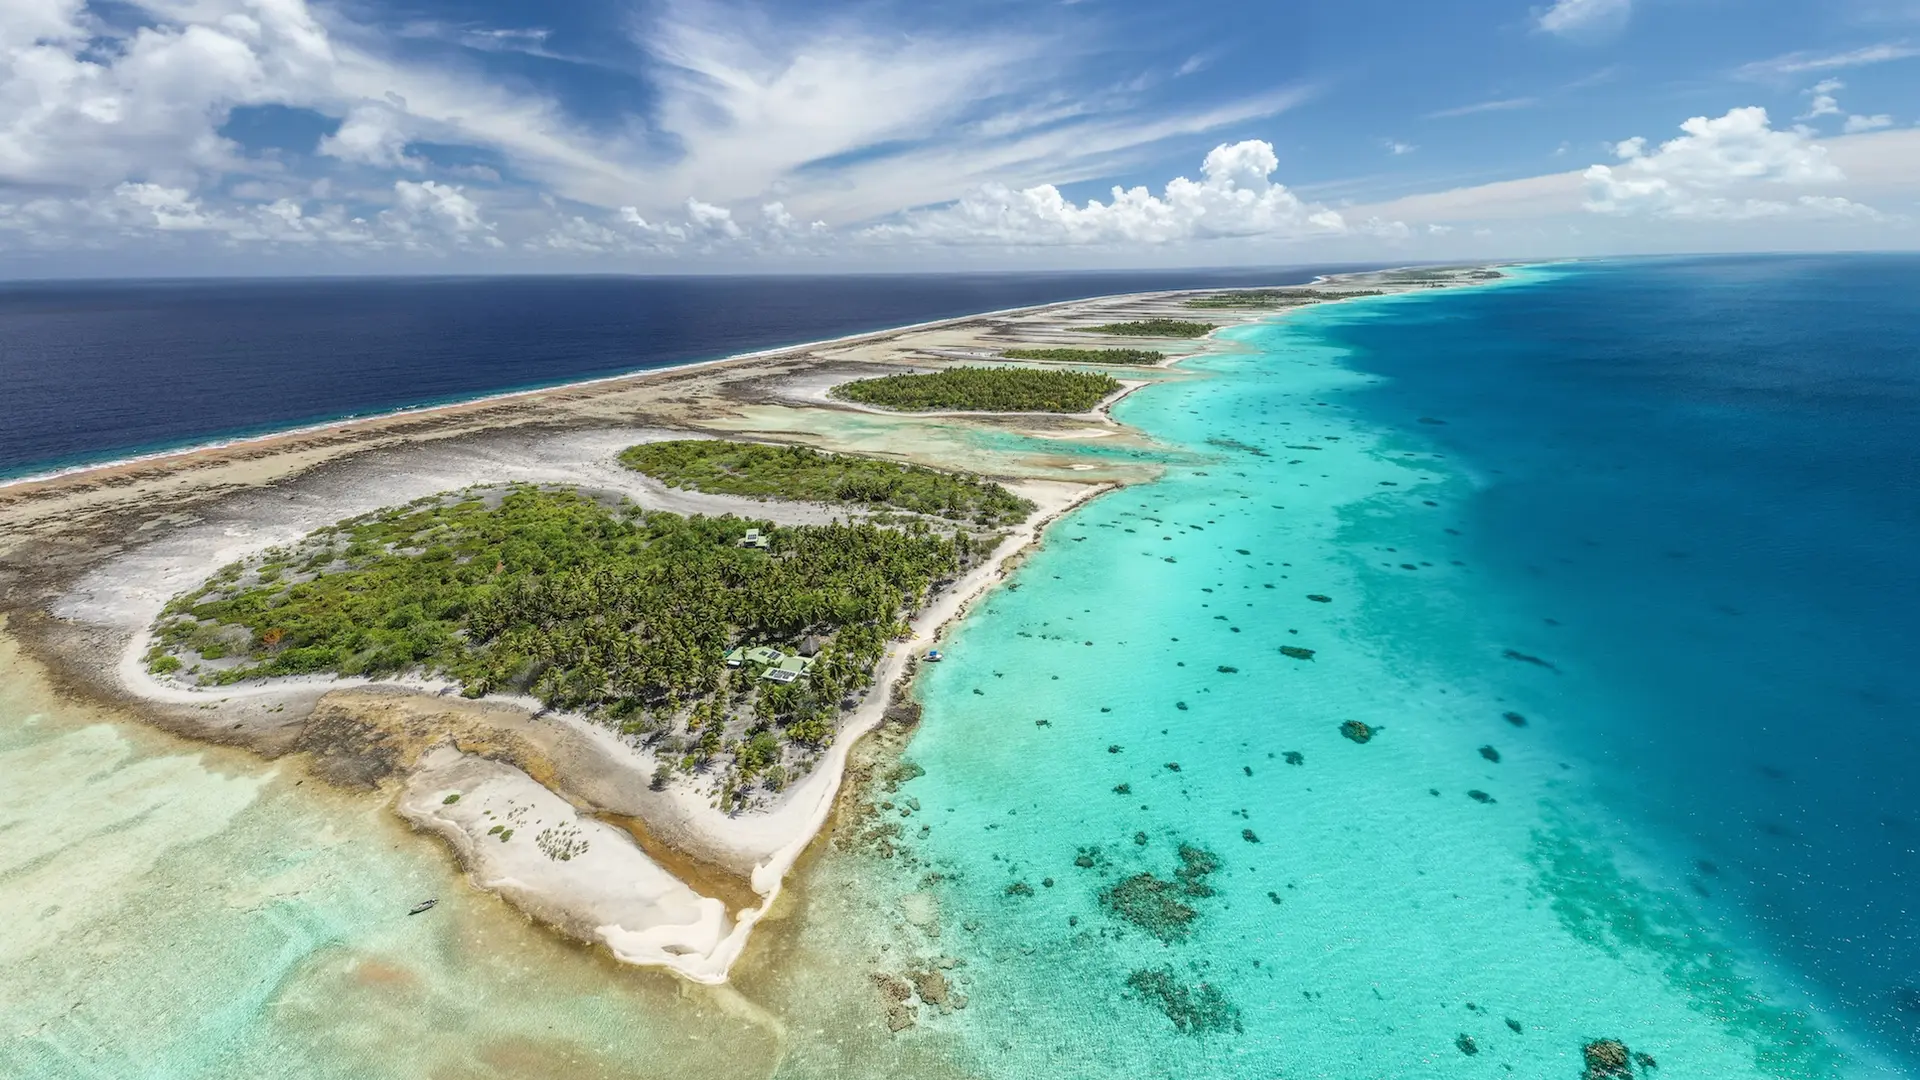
[[173, 911], [1372, 915]]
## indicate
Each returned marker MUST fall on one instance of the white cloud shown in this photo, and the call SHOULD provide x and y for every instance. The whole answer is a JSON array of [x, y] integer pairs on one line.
[[1856, 124], [372, 134], [427, 212], [1383, 229], [1496, 105], [1836, 206], [1234, 197], [578, 235], [1574, 18], [1396, 147], [163, 208], [1824, 103], [1799, 63], [830, 118], [82, 107], [1715, 170], [699, 228]]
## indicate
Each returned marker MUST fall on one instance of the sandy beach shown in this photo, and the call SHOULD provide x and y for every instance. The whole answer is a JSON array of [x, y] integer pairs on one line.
[[658, 877]]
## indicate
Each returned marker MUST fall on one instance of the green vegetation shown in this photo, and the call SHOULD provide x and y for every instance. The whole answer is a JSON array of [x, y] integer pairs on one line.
[[1088, 356], [608, 610], [796, 472], [1163, 328], [983, 389], [1272, 298]]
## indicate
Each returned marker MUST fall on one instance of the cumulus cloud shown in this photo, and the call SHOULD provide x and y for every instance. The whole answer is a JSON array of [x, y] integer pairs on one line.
[[1717, 169], [1824, 103], [373, 134], [699, 228], [83, 108], [577, 234], [163, 208], [1576, 18], [1235, 196], [427, 211]]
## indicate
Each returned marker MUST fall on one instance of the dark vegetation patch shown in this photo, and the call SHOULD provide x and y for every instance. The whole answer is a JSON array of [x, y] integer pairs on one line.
[[1160, 328], [983, 389], [797, 472], [1195, 1009], [1272, 298], [1087, 356], [1158, 905], [1525, 658], [605, 609], [1225, 442]]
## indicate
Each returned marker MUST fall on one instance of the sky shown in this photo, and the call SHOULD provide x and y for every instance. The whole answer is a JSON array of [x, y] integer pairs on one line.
[[690, 136]]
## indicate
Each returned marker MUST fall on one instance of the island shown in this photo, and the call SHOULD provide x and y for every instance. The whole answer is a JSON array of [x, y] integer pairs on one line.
[[613, 642]]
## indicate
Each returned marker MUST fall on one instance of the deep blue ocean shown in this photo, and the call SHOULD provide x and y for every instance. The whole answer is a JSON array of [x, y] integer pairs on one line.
[[101, 370], [1701, 479]]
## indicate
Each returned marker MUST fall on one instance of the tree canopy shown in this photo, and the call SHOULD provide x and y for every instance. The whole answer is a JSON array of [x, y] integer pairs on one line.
[[592, 606], [983, 389], [797, 472], [1160, 328], [1087, 356]]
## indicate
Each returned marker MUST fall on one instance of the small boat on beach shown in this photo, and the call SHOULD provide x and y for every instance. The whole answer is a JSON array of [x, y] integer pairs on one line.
[[424, 905], [933, 656]]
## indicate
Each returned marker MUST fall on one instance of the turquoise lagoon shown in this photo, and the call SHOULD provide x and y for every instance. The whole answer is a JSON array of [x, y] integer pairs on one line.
[[1461, 895]]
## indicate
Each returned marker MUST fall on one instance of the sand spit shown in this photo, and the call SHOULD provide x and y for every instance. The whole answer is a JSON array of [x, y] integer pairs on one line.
[[88, 559], [519, 839]]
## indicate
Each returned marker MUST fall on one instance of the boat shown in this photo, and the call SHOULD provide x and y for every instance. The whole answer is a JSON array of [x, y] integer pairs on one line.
[[933, 655], [423, 905]]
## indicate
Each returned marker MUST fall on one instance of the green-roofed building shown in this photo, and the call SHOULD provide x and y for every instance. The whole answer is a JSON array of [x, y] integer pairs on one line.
[[788, 669]]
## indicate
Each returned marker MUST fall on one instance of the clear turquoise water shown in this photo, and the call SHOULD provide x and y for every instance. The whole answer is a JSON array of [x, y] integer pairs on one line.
[[174, 912], [1379, 913]]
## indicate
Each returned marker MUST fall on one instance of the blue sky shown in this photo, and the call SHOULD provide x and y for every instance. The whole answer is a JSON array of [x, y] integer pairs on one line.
[[298, 136]]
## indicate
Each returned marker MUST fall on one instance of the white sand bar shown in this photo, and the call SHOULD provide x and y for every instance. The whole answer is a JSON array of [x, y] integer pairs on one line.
[[532, 847]]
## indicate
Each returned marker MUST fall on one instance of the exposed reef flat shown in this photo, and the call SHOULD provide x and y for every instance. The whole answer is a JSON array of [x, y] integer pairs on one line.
[[89, 559]]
